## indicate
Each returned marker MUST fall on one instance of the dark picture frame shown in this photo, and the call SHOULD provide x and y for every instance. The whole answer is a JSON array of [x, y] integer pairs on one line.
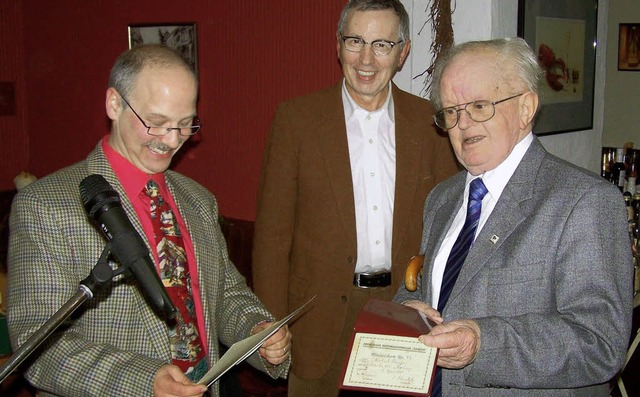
[[179, 36], [563, 35], [629, 47]]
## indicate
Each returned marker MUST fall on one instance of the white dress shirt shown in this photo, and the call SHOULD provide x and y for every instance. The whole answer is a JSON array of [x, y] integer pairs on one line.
[[372, 152], [495, 181]]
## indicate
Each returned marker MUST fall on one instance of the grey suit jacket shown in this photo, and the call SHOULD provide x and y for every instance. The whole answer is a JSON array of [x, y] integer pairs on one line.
[[552, 296], [114, 343]]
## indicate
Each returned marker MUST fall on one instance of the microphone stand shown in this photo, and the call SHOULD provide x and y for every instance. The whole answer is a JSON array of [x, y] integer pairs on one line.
[[100, 275]]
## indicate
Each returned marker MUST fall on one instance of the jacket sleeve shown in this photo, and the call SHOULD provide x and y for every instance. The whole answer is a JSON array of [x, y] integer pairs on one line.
[[568, 322], [50, 252], [274, 225]]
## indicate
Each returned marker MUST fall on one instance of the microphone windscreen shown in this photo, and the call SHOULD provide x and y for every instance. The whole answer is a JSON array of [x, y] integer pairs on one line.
[[97, 195]]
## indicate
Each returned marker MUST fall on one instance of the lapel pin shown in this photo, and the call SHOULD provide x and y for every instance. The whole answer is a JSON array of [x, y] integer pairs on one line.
[[494, 239]]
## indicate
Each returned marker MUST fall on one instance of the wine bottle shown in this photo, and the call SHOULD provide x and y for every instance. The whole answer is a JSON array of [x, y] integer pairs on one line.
[[635, 204], [607, 162], [618, 174], [632, 171]]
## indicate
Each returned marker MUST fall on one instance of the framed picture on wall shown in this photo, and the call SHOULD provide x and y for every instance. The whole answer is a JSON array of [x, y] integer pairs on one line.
[[179, 36], [563, 35], [629, 46]]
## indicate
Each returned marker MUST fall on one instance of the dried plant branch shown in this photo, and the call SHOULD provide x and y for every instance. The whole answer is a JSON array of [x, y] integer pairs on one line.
[[439, 13]]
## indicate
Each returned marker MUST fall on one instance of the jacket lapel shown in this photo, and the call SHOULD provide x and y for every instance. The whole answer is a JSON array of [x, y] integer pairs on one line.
[[441, 221], [98, 164], [331, 138], [191, 211], [409, 143], [511, 209]]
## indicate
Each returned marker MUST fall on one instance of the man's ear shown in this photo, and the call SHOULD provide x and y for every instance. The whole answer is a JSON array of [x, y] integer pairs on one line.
[[113, 103], [405, 52], [528, 108]]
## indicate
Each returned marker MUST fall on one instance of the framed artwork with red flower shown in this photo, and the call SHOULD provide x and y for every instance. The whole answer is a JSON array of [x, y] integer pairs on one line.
[[563, 35]]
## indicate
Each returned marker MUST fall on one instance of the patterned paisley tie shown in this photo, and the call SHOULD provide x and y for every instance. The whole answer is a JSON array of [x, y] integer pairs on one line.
[[184, 338]]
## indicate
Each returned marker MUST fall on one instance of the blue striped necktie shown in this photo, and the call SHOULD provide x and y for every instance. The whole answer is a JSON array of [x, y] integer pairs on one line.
[[477, 191]]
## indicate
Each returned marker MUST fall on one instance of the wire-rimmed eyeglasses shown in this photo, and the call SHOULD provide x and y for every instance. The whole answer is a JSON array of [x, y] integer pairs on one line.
[[160, 131], [479, 111], [379, 47]]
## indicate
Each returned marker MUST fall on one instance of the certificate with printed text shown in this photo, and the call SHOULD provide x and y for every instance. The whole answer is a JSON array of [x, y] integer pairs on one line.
[[385, 355], [394, 363]]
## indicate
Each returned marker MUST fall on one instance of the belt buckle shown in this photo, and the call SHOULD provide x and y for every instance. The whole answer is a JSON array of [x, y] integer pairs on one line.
[[359, 279]]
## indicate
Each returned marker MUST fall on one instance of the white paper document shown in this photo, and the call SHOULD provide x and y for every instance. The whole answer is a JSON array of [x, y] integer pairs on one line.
[[241, 350], [390, 362]]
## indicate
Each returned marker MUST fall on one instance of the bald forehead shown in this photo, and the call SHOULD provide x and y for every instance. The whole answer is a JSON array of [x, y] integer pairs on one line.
[[166, 74], [486, 64], [480, 60]]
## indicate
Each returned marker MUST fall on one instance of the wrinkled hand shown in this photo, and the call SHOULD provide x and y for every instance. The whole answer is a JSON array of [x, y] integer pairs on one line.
[[431, 313], [458, 341], [170, 381], [276, 349]]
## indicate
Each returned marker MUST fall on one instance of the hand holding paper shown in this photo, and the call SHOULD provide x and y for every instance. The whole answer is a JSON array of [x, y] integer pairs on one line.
[[241, 350], [275, 349], [385, 355], [458, 342]]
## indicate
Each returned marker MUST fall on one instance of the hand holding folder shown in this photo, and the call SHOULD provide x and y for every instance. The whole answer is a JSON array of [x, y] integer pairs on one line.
[[385, 356], [241, 350]]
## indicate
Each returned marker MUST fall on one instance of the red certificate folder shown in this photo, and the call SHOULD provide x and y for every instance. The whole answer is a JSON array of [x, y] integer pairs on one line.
[[384, 354]]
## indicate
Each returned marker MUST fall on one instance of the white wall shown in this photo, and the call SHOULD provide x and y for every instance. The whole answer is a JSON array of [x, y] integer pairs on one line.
[[486, 19]]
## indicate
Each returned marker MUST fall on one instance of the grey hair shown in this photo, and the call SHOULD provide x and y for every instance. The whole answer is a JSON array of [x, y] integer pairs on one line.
[[376, 5], [130, 63], [518, 64]]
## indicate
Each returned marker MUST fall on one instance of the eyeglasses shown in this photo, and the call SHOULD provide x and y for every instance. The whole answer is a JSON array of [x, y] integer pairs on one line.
[[379, 47], [161, 131], [478, 111]]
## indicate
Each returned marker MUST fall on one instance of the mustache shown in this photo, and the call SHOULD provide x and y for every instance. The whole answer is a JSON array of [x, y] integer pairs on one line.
[[158, 146]]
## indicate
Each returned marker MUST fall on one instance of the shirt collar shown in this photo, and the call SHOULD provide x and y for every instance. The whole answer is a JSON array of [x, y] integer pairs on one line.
[[350, 106], [496, 179], [132, 179]]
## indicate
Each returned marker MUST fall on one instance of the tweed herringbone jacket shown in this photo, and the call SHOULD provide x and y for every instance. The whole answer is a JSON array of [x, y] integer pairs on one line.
[[115, 342]]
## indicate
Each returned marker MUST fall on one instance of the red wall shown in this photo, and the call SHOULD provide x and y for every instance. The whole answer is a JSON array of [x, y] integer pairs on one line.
[[252, 54]]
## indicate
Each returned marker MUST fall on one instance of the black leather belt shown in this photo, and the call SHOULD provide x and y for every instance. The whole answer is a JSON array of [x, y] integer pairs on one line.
[[370, 280]]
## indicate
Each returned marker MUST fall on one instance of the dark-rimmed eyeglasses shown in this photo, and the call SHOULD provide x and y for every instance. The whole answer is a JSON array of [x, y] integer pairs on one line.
[[161, 131], [379, 47], [478, 111]]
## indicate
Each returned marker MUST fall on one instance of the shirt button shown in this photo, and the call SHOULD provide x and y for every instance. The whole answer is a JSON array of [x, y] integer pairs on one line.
[[377, 242], [375, 207], [368, 117], [370, 140], [373, 174]]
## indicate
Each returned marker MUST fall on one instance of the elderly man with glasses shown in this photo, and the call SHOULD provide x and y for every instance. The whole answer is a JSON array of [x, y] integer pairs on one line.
[[118, 344], [527, 261], [345, 173]]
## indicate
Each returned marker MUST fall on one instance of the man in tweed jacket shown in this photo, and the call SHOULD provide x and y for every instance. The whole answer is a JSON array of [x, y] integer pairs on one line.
[[542, 304], [116, 344]]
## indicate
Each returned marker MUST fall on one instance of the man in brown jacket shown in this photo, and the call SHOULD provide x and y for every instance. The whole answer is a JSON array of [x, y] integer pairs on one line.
[[343, 183]]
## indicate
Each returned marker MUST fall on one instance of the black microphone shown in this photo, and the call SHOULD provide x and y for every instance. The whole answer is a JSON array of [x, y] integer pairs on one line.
[[102, 203]]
